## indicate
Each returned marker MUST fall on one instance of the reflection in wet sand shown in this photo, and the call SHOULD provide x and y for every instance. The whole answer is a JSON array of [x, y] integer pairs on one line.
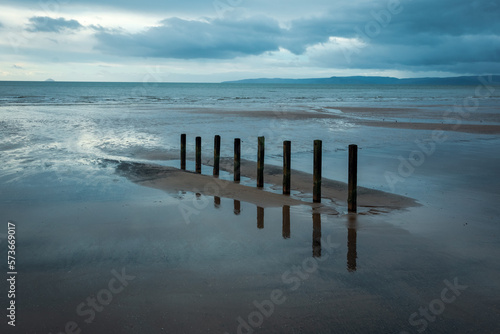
[[316, 235], [237, 207], [351, 243], [286, 222], [260, 217]]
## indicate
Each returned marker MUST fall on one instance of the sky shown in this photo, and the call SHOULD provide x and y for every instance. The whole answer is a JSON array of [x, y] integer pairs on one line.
[[218, 40]]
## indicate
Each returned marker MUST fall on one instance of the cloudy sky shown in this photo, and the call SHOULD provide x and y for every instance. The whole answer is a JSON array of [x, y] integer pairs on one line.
[[216, 40]]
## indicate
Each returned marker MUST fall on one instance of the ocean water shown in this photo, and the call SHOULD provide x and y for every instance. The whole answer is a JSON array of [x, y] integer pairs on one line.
[[233, 95], [78, 219]]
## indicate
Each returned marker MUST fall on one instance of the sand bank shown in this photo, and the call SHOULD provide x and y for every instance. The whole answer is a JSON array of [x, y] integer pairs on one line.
[[334, 192], [468, 128], [383, 117], [330, 189], [173, 179]]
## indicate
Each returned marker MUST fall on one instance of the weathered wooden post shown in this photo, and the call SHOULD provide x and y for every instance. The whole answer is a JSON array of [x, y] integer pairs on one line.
[[287, 148], [216, 155], [237, 159], [198, 155], [353, 179], [317, 171], [183, 151], [260, 217], [286, 222], [260, 162]]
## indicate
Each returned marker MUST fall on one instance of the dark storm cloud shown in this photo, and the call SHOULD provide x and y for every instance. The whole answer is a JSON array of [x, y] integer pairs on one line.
[[426, 35], [47, 24], [461, 31], [449, 54], [397, 34], [457, 36], [183, 39]]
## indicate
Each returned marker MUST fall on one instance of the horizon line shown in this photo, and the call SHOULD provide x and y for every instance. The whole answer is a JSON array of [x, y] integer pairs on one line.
[[235, 80]]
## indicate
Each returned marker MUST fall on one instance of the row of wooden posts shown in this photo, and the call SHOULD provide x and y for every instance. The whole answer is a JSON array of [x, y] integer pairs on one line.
[[353, 166]]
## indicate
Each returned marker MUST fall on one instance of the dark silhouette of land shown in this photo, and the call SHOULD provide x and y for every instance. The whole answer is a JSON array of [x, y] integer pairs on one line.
[[369, 80]]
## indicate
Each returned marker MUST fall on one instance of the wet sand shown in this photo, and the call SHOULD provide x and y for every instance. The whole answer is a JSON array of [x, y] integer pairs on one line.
[[346, 274], [202, 273], [467, 128], [363, 116]]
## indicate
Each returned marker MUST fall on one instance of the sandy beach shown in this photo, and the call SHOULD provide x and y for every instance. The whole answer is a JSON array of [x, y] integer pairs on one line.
[[112, 237]]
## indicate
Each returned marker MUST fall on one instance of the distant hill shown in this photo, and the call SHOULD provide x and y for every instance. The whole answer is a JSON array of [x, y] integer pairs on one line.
[[361, 80]]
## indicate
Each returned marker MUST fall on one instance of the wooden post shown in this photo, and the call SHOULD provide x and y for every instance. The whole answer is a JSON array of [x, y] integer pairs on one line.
[[316, 244], [353, 179], [183, 151], [317, 171], [216, 202], [198, 155], [216, 155], [260, 217], [286, 222], [237, 159], [260, 162], [287, 148]]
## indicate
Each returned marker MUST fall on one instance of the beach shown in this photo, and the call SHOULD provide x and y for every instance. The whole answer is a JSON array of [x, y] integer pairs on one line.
[[113, 237]]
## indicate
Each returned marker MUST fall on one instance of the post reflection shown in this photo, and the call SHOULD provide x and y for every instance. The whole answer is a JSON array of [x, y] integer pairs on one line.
[[286, 222], [316, 244], [351, 242], [316, 233], [237, 207], [260, 217]]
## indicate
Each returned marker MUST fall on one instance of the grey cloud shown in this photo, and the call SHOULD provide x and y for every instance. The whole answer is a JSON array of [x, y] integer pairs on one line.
[[183, 39], [451, 34], [196, 7], [47, 24], [456, 36], [454, 54], [101, 29], [219, 38], [452, 17], [17, 67]]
